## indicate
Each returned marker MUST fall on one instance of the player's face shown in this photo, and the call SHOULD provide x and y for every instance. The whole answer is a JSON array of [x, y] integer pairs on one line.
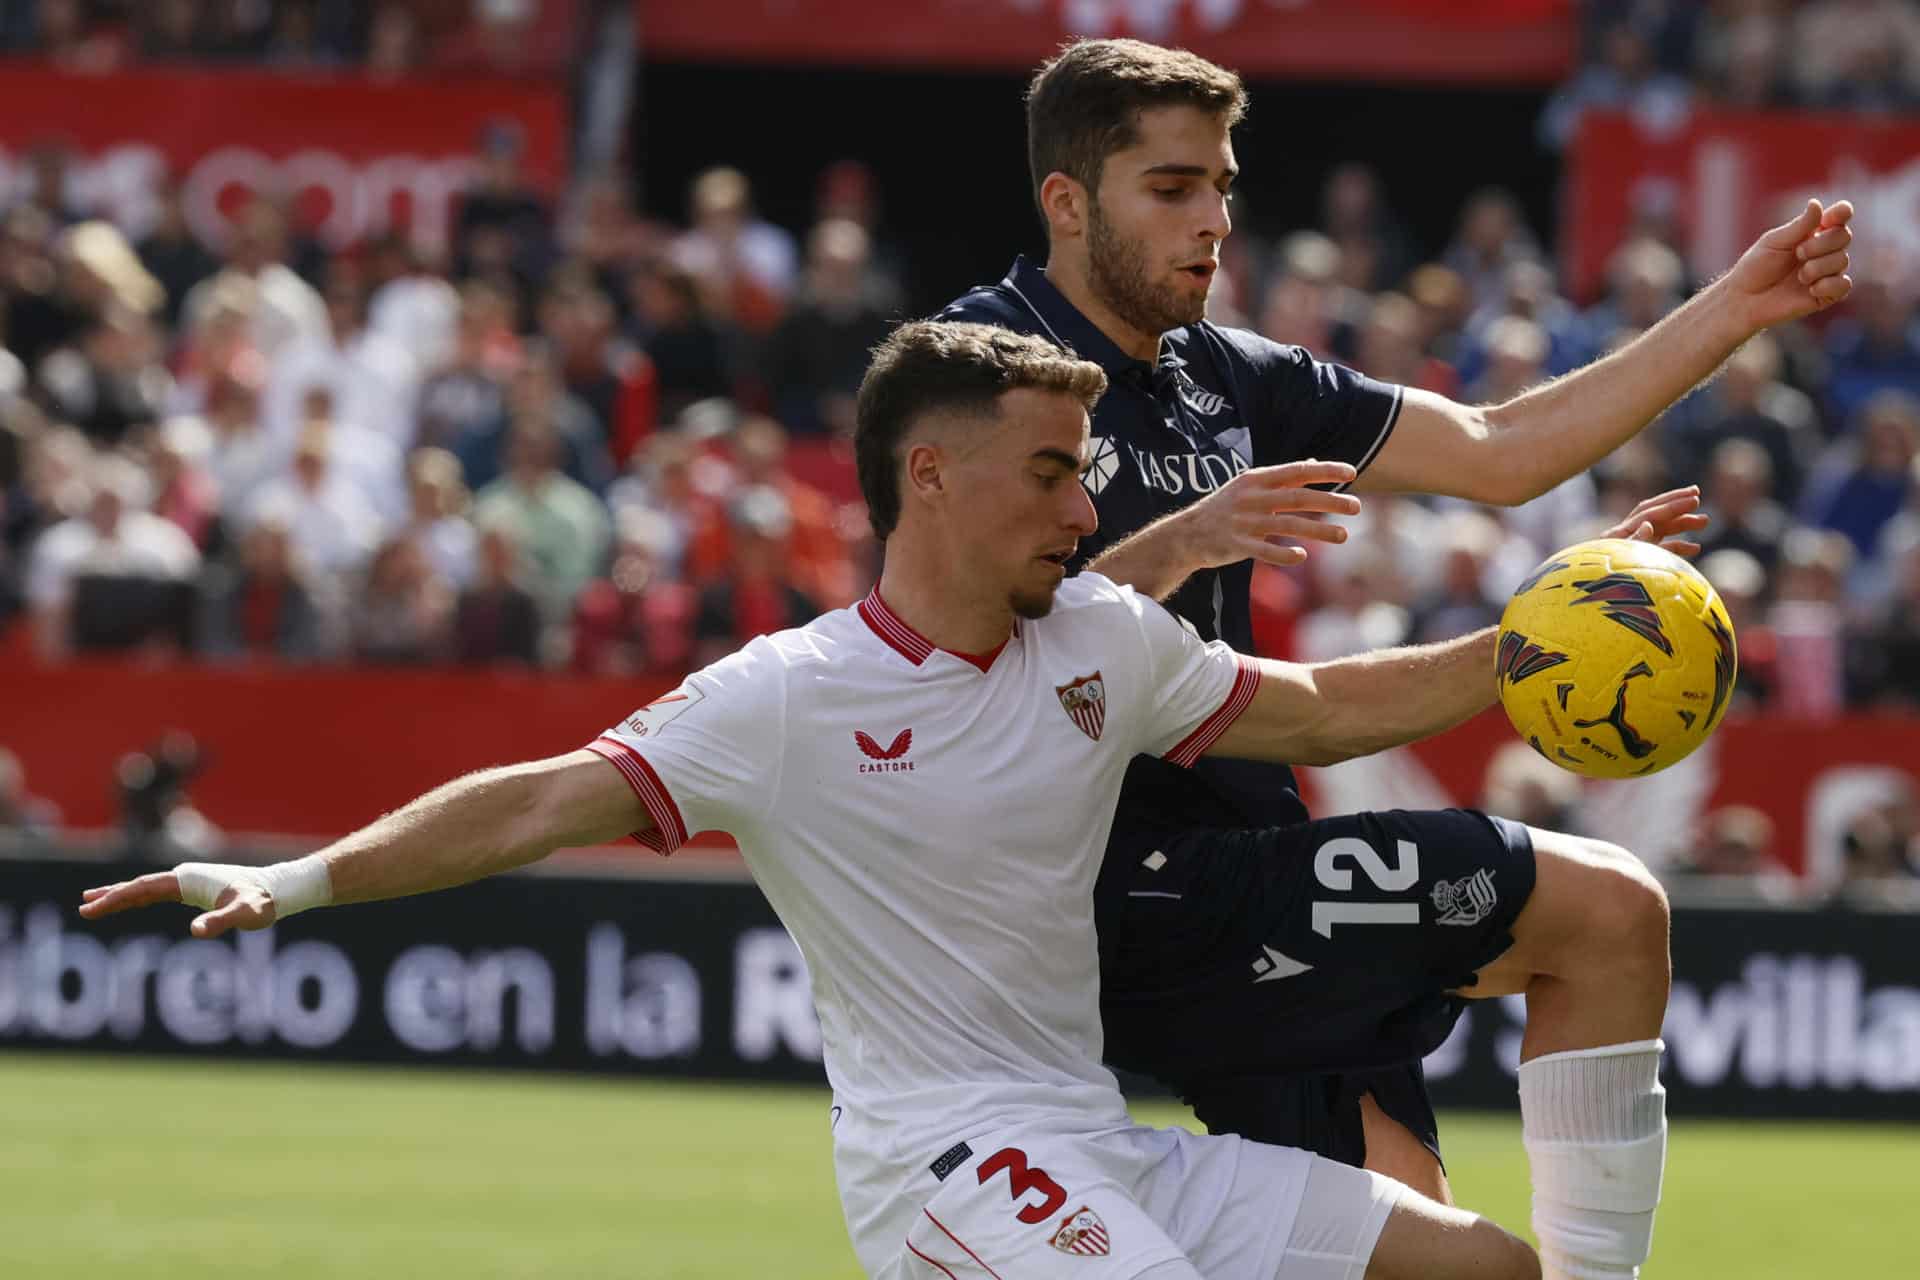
[[1155, 226], [1026, 508]]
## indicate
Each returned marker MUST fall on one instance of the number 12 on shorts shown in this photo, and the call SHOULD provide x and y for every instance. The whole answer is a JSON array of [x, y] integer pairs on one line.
[[1327, 869]]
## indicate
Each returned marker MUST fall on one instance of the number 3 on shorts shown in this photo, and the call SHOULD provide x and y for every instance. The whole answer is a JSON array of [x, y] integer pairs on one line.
[[1021, 1179], [1397, 879]]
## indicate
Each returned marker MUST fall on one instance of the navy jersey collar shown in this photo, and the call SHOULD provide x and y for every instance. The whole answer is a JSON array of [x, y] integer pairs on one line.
[[1065, 324]]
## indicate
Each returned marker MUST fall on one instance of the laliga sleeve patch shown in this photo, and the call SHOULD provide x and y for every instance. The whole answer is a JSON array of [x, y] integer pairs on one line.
[[661, 712]]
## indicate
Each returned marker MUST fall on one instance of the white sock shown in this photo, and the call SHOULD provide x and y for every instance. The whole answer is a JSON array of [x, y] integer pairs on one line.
[[1594, 1123]]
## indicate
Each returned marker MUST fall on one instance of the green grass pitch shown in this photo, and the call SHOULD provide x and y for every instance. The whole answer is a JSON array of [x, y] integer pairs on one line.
[[167, 1168]]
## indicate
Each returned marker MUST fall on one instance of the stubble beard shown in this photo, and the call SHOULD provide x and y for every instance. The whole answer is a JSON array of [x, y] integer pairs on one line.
[[1118, 274]]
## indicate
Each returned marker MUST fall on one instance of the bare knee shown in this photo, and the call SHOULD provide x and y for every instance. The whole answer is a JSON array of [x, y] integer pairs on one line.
[[1627, 907], [1595, 909]]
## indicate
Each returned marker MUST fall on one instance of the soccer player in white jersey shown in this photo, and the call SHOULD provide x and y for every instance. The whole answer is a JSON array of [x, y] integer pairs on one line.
[[923, 785]]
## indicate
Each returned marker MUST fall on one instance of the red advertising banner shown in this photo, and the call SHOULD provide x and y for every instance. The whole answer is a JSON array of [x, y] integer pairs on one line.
[[1727, 176], [1450, 41], [320, 752], [359, 157]]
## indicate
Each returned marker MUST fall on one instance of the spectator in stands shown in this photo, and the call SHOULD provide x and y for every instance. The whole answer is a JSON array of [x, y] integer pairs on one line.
[[671, 477], [639, 618], [561, 525], [1807, 620], [365, 459], [1859, 494], [52, 485], [393, 43], [334, 526], [534, 392], [467, 396], [437, 519], [372, 380], [1459, 602], [63, 38], [172, 31], [1645, 281], [1356, 612], [299, 41], [1354, 214], [1872, 346], [23, 814], [1522, 785], [1391, 348], [409, 305], [42, 311], [819, 353], [113, 577], [1859, 54], [1305, 302], [1737, 840], [816, 549], [747, 266], [1444, 303], [403, 614], [110, 382], [184, 490], [680, 337], [503, 226], [285, 308], [268, 605], [1492, 236], [1742, 57], [1742, 583], [497, 620], [611, 378], [605, 235], [1737, 497], [172, 253], [1528, 294], [1748, 401], [1627, 77], [1884, 656], [757, 595]]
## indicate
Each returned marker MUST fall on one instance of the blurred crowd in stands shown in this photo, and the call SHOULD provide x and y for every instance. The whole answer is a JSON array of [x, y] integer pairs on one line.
[[589, 441]]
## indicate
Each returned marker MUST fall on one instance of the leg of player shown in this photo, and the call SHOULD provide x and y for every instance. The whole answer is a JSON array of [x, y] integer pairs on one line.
[[1590, 953], [1393, 1150], [1424, 1240]]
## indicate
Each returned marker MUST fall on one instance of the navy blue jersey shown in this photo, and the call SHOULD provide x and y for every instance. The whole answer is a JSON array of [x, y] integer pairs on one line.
[[1216, 402]]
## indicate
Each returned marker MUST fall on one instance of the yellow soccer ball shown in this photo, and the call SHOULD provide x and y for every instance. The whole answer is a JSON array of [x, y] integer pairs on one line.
[[1616, 658]]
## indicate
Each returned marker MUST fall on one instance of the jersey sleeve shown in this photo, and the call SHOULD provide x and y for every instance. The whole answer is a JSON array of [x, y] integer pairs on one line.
[[707, 756], [1308, 408], [1196, 688]]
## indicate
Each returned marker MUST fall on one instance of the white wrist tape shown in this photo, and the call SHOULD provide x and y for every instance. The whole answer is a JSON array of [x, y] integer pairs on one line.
[[294, 886]]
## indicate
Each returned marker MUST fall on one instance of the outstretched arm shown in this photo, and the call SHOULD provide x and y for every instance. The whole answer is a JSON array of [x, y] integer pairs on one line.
[[472, 827], [1511, 452]]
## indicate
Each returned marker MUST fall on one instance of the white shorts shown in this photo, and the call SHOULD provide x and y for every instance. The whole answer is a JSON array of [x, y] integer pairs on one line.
[[1029, 1206]]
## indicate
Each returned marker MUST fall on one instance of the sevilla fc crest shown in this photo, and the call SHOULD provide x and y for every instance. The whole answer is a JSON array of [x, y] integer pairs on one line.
[[1085, 702], [1083, 1233]]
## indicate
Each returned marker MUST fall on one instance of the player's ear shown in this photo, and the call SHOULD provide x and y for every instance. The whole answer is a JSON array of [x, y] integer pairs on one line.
[[925, 470], [1065, 202]]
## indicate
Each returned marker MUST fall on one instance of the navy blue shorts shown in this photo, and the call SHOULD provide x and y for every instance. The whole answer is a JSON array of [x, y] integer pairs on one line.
[[1273, 977]]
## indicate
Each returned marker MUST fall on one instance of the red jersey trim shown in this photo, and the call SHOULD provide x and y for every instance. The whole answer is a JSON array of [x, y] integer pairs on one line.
[[910, 644], [1195, 744], [963, 1244], [670, 831]]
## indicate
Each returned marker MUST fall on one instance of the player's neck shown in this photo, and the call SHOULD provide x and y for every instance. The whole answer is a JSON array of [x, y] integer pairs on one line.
[[1071, 281], [920, 588]]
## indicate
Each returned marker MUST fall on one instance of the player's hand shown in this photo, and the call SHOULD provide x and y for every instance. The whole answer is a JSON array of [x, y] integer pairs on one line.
[[1797, 268], [1664, 520], [1245, 518], [243, 903]]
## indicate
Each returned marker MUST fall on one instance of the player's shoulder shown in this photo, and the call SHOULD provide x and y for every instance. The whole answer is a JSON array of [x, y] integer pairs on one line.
[[993, 304], [1090, 598], [1241, 348]]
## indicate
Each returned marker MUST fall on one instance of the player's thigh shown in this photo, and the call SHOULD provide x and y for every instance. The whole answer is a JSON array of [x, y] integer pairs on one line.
[[1586, 898], [1394, 1149], [1038, 1206], [1424, 1240], [1240, 1208]]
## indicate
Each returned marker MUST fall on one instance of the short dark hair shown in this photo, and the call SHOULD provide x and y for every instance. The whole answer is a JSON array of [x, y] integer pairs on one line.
[[1085, 104], [929, 366]]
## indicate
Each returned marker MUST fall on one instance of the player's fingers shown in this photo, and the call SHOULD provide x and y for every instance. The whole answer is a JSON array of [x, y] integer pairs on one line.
[[1282, 554], [1306, 472], [1789, 234], [1289, 498], [243, 911], [1828, 240], [1681, 547], [1270, 525], [161, 886], [1837, 214], [1832, 264], [1828, 290]]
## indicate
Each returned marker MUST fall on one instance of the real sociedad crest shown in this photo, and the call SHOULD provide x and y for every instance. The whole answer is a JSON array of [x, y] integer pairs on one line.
[[1085, 702]]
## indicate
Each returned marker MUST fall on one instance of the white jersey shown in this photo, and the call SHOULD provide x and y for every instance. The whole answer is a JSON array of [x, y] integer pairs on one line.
[[929, 826]]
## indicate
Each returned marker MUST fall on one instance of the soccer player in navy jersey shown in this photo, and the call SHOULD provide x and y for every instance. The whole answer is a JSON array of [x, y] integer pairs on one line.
[[1285, 974]]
